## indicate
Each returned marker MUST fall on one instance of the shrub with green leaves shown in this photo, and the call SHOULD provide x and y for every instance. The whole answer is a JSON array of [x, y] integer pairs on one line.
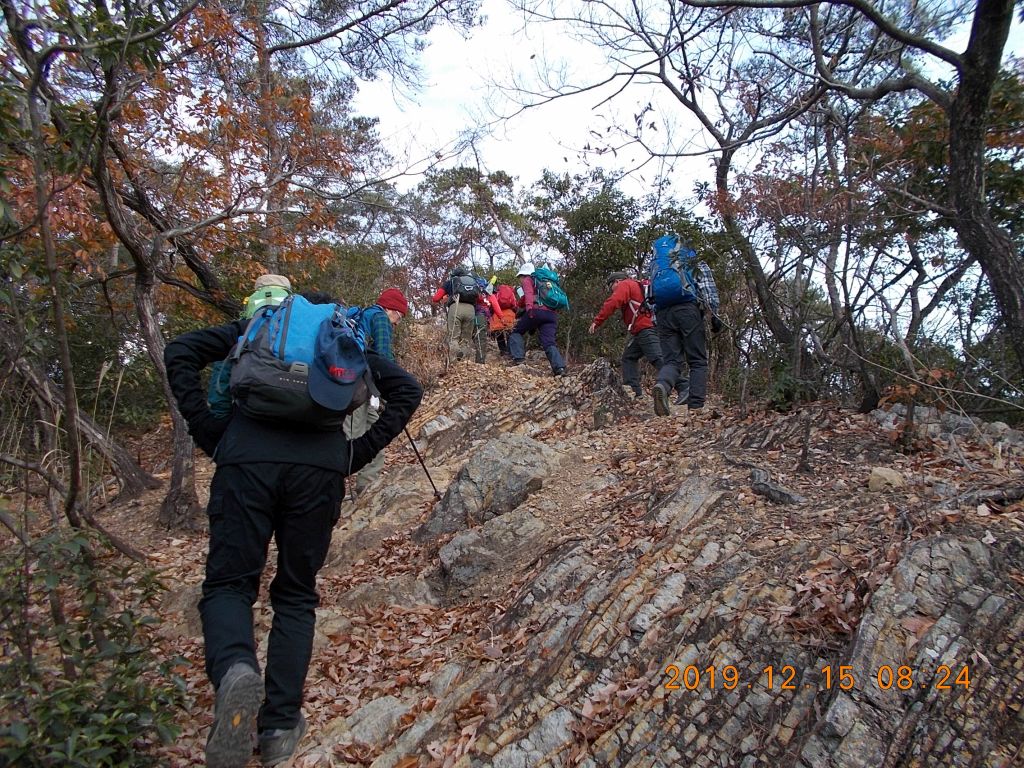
[[79, 682]]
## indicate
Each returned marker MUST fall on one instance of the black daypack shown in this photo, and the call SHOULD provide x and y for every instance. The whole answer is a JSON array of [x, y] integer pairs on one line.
[[463, 288]]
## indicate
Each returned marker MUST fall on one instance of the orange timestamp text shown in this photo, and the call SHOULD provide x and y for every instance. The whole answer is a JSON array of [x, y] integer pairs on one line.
[[787, 678]]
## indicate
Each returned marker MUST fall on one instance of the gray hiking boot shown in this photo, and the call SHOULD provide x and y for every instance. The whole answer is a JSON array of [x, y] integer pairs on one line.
[[684, 395], [239, 698], [661, 399], [278, 745]]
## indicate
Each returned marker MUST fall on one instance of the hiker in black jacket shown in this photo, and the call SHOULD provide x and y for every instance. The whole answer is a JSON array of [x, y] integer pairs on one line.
[[277, 480]]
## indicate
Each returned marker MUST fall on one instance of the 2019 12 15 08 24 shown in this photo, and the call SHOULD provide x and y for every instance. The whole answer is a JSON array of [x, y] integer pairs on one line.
[[787, 677]]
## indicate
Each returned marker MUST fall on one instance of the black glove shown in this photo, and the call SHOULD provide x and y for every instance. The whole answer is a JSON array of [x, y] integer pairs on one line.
[[716, 324], [207, 431]]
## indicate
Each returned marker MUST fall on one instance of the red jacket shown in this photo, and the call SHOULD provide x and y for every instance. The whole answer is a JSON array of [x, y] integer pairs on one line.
[[627, 296]]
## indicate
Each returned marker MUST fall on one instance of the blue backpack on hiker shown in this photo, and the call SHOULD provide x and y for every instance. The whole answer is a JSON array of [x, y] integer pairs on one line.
[[672, 277], [549, 289], [301, 363]]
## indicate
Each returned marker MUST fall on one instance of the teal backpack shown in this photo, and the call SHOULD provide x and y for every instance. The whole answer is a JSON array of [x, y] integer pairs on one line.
[[549, 289]]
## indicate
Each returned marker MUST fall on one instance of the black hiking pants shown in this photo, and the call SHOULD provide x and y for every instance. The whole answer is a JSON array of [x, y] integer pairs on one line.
[[682, 337], [298, 505]]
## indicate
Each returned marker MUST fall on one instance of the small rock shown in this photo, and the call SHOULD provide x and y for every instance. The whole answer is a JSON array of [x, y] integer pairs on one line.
[[883, 478]]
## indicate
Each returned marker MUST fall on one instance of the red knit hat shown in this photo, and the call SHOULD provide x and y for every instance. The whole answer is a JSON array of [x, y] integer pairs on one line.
[[392, 298]]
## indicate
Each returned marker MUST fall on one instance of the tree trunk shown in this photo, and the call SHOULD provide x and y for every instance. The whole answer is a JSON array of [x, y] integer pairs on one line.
[[73, 496], [180, 507], [968, 123], [272, 140], [755, 273]]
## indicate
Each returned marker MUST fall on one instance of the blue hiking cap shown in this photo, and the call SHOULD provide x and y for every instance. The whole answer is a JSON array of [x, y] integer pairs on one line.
[[338, 364]]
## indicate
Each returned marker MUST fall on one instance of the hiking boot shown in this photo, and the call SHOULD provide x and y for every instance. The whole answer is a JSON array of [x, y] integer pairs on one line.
[[517, 362], [661, 399], [239, 698], [277, 745], [559, 372], [683, 397]]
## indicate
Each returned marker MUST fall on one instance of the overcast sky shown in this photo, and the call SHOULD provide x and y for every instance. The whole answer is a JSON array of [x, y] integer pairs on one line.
[[459, 73]]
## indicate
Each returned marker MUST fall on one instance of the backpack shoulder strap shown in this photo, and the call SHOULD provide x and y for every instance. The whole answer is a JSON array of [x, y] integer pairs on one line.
[[247, 334], [685, 275]]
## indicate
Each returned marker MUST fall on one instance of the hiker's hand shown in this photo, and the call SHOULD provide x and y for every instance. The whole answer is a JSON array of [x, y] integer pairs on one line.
[[593, 328], [716, 324], [207, 432]]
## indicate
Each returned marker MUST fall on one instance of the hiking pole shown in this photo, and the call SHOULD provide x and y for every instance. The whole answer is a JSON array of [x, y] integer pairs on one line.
[[437, 494]]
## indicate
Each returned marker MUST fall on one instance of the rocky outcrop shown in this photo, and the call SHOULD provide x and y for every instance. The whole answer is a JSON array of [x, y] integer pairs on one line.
[[925, 663], [497, 478], [934, 423], [610, 589]]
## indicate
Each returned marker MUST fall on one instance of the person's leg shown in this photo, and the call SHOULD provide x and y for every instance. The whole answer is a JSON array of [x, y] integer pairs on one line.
[[695, 347], [241, 523], [453, 327], [630, 368], [467, 325], [682, 389], [555, 360], [501, 339], [670, 341], [547, 328], [357, 425], [649, 347], [671, 345], [517, 339], [652, 351], [480, 337], [310, 506], [240, 509], [516, 347]]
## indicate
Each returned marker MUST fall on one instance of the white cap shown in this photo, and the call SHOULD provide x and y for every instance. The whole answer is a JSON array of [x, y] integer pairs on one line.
[[272, 281], [526, 269]]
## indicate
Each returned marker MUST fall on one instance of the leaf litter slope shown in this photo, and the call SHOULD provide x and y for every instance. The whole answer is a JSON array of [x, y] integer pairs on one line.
[[824, 556]]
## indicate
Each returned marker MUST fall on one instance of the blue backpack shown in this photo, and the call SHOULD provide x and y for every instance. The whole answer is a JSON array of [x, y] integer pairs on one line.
[[549, 290], [672, 280], [271, 364]]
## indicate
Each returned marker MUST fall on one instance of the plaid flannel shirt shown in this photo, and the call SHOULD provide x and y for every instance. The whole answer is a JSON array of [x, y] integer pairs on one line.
[[380, 334], [707, 291]]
